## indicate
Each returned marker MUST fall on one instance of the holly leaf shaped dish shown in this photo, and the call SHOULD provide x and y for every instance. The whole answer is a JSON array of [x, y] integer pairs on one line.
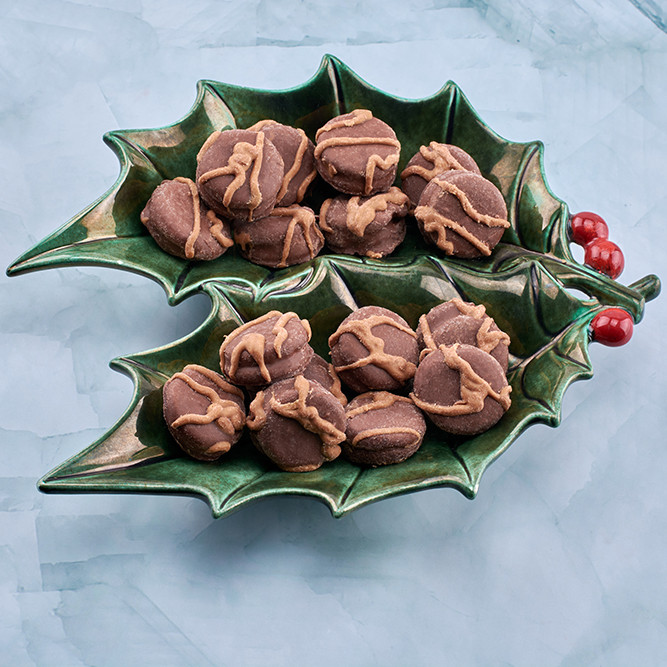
[[526, 285]]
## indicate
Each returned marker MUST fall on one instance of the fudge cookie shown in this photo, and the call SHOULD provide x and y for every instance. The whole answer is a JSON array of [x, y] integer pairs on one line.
[[367, 226], [239, 174], [458, 321], [357, 153], [288, 235], [462, 389], [462, 213], [374, 349], [382, 429], [431, 161], [182, 225], [320, 370], [266, 349], [297, 423], [296, 150], [204, 414]]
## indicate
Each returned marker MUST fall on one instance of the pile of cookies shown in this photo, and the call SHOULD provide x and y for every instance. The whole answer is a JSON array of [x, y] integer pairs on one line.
[[452, 370], [250, 186]]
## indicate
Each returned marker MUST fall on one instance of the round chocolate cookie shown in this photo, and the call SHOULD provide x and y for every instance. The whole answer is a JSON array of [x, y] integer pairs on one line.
[[287, 236], [374, 349], [204, 414], [297, 423], [296, 150], [382, 429], [462, 213], [462, 389], [431, 161], [239, 174], [182, 225], [268, 348], [320, 370], [367, 226], [458, 321], [357, 153]]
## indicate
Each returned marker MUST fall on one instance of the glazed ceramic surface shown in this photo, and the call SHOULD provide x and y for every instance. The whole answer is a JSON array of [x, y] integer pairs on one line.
[[531, 285]]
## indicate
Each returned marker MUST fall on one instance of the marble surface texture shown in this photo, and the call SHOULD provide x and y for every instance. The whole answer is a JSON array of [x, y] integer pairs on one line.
[[559, 561]]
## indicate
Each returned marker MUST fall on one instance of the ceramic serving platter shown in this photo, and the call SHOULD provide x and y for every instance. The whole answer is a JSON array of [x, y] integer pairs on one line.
[[531, 285]]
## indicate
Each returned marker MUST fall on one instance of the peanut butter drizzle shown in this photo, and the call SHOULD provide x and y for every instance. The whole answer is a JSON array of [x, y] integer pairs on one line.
[[388, 430], [243, 156], [225, 412], [324, 209], [336, 388], [358, 117], [301, 192], [427, 335], [477, 311], [373, 160], [210, 140], [309, 417], [487, 340], [362, 141], [377, 161], [256, 413], [439, 156], [216, 230], [296, 165], [359, 217], [196, 224], [243, 239], [379, 401], [435, 222], [398, 368], [482, 218], [294, 170], [304, 219], [215, 223], [474, 389], [438, 223], [306, 415], [254, 343], [261, 124], [280, 332]]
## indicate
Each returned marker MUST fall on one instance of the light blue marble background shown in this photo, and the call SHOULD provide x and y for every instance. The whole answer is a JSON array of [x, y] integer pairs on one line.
[[560, 560]]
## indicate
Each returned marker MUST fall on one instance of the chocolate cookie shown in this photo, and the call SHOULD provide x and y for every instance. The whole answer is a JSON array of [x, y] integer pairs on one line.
[[296, 150], [320, 370], [204, 414], [268, 348], [382, 429], [462, 213], [374, 349], [182, 225], [462, 389], [239, 174], [357, 153], [287, 236], [297, 423], [458, 321], [431, 161], [367, 226]]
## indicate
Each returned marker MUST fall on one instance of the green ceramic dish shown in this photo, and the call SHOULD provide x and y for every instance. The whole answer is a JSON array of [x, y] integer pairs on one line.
[[526, 285]]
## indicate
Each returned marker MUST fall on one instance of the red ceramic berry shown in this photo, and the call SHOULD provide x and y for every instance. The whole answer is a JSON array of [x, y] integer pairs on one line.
[[613, 326], [604, 256], [586, 227]]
